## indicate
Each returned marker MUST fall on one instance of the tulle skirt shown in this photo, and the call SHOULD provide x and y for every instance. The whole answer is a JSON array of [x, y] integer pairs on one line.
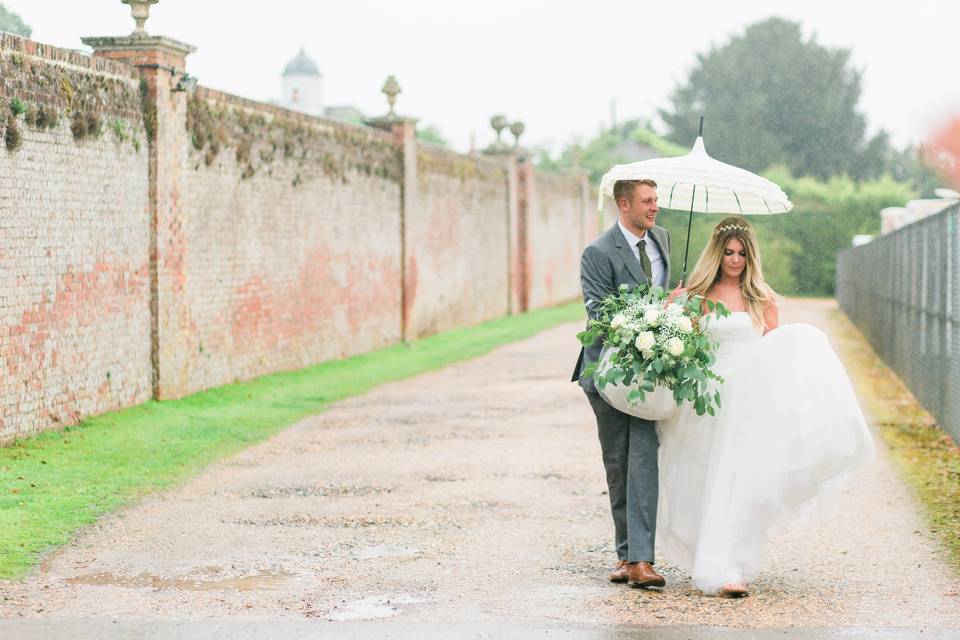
[[788, 435]]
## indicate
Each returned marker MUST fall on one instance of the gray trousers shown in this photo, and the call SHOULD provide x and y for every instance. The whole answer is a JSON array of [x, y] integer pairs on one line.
[[629, 449]]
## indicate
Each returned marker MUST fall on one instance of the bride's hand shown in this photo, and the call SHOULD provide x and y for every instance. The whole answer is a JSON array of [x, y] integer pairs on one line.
[[676, 293]]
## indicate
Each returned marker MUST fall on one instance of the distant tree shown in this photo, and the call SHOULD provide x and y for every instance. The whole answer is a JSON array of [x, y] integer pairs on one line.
[[432, 134], [624, 143], [595, 156], [11, 22], [908, 166], [771, 97]]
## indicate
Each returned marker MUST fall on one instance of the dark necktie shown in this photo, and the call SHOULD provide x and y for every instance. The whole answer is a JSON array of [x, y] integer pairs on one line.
[[645, 260]]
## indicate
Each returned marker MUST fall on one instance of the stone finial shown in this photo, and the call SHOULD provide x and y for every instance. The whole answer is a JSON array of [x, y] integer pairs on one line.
[[392, 89], [517, 128], [499, 123], [140, 10]]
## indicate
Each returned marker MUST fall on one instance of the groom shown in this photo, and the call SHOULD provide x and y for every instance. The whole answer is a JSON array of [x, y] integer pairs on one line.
[[634, 251]]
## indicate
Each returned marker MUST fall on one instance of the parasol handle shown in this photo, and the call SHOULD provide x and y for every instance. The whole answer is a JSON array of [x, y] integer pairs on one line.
[[686, 251]]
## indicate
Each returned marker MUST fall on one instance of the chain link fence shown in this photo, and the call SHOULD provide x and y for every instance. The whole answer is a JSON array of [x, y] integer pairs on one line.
[[903, 292]]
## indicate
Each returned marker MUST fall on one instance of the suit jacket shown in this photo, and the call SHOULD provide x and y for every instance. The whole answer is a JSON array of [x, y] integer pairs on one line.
[[606, 264]]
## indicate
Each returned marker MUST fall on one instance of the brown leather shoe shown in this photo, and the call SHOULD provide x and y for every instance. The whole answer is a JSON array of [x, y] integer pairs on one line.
[[733, 590], [620, 573], [643, 576]]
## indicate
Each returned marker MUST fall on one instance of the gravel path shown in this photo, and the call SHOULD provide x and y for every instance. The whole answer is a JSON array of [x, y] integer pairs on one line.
[[475, 493]]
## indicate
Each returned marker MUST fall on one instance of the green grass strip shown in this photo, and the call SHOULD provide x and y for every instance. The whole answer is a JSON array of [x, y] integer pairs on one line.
[[55, 482], [925, 455]]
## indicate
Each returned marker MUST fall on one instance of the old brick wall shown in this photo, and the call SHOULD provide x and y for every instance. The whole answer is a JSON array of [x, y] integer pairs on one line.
[[155, 243], [291, 228], [558, 220], [74, 238], [457, 232]]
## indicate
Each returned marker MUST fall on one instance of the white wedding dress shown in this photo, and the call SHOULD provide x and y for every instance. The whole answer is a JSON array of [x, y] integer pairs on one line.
[[788, 434]]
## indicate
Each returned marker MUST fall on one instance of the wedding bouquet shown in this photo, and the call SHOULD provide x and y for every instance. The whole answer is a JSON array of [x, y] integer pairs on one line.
[[655, 354]]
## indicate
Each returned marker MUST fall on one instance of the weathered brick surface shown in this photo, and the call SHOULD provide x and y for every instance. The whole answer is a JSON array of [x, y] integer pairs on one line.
[[291, 241], [74, 236], [557, 221], [158, 244], [457, 258]]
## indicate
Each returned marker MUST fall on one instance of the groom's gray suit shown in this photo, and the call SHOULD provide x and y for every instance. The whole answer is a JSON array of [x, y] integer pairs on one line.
[[628, 444]]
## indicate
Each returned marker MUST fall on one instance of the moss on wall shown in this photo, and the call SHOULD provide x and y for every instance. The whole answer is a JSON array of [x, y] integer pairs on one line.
[[458, 166], [40, 94], [262, 139]]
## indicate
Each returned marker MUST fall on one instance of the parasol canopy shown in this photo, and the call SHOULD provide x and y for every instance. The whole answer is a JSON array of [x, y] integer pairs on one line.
[[701, 184]]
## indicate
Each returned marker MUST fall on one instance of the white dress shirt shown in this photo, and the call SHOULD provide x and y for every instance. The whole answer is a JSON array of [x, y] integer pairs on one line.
[[657, 263]]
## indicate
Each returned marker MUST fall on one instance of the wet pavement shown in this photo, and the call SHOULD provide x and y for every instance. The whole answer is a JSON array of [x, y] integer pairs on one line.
[[464, 503], [92, 629]]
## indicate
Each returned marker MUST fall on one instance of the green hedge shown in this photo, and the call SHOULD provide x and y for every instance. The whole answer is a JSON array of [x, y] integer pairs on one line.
[[800, 248]]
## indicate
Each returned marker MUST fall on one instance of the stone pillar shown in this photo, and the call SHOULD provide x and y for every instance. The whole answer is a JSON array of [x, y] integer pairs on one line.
[[404, 130], [526, 185], [161, 63], [513, 239], [590, 218], [519, 189]]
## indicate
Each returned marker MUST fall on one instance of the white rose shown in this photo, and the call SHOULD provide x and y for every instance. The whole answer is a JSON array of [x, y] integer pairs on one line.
[[684, 324], [618, 321], [651, 315], [674, 346], [645, 342]]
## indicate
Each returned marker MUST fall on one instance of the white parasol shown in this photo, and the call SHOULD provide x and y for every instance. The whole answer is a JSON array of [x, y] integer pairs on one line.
[[702, 184]]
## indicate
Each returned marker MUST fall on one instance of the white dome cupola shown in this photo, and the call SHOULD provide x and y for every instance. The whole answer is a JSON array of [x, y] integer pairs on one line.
[[303, 85]]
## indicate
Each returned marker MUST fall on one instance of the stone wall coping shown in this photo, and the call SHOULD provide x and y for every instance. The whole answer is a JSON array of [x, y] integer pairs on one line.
[[138, 43], [435, 149], [215, 95], [13, 44], [572, 181]]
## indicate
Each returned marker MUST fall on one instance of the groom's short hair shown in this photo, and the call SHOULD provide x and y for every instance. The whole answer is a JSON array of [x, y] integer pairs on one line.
[[626, 188]]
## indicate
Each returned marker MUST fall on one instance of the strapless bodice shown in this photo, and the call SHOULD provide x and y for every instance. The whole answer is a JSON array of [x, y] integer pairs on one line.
[[735, 334]]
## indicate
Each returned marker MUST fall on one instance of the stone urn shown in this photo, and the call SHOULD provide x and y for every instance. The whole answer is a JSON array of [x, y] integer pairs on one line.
[[140, 10]]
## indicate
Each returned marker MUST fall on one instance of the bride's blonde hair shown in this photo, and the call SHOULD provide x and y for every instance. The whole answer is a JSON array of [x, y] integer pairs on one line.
[[756, 293]]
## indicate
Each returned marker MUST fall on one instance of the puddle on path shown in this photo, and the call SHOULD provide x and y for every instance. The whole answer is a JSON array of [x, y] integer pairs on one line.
[[263, 579], [370, 608]]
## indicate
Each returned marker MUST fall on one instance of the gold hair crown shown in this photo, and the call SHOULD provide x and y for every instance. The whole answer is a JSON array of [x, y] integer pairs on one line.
[[730, 227]]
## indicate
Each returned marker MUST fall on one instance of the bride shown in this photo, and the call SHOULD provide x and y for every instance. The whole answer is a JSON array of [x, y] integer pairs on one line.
[[788, 434]]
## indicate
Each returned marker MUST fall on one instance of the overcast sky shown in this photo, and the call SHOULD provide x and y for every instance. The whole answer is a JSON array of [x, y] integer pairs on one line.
[[556, 65]]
